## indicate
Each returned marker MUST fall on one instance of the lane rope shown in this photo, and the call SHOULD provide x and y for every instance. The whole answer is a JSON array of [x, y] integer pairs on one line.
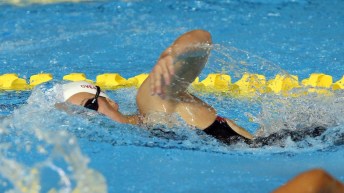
[[248, 85]]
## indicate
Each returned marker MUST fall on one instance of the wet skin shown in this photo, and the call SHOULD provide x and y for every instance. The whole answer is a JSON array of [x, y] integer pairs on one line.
[[165, 89], [107, 106]]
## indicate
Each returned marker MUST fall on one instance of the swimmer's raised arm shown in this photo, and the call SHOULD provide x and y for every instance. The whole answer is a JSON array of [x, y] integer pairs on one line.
[[165, 89], [110, 109], [196, 42]]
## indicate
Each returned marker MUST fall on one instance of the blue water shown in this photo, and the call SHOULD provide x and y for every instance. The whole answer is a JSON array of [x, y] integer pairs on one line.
[[298, 37]]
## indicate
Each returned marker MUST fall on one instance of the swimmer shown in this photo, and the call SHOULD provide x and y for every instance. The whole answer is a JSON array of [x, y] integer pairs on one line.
[[165, 90], [312, 181]]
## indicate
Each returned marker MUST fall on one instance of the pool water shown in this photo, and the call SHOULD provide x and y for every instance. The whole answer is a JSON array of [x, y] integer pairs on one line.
[[45, 149]]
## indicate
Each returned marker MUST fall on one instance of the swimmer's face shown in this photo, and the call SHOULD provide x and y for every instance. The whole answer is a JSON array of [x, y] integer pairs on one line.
[[106, 106]]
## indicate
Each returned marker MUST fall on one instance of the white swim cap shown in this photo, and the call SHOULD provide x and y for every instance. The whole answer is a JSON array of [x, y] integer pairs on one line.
[[73, 88]]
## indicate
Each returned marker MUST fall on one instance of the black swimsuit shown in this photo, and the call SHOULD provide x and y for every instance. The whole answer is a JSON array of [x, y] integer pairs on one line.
[[223, 132], [220, 130]]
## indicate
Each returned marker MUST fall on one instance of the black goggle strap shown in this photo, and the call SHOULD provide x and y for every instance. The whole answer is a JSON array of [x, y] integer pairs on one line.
[[97, 94], [92, 103]]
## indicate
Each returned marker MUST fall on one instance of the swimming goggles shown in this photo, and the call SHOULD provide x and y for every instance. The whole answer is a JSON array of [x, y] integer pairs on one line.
[[93, 103]]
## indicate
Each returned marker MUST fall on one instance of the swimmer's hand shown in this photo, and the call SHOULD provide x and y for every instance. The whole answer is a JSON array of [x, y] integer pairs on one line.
[[162, 73]]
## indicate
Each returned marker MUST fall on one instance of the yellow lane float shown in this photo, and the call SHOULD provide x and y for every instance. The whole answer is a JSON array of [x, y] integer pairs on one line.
[[249, 85], [214, 83], [137, 80], [318, 83], [217, 82], [40, 78], [339, 84], [252, 84], [283, 83], [12, 82], [76, 77], [111, 81], [318, 80]]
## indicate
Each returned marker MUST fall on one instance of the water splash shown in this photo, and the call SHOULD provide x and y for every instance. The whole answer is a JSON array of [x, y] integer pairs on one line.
[[293, 113], [274, 113], [39, 142], [235, 62], [39, 155], [37, 139]]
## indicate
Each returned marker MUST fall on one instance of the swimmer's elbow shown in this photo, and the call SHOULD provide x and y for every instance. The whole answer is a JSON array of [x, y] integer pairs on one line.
[[201, 36], [194, 37], [206, 36], [196, 43]]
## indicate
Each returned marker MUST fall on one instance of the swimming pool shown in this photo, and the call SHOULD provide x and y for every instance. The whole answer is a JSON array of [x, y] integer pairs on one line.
[[47, 148]]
